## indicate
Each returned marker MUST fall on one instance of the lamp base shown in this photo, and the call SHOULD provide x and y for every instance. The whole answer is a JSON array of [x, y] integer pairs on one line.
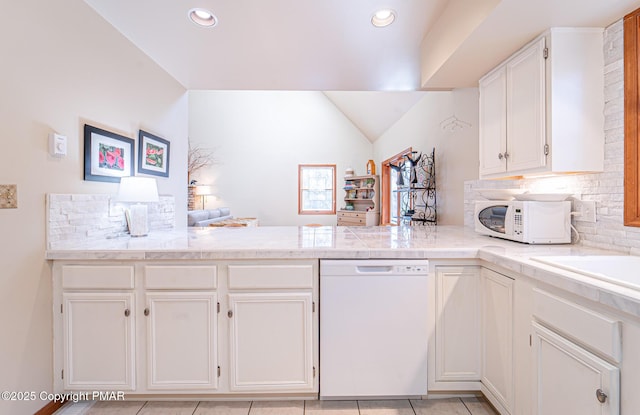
[[137, 220]]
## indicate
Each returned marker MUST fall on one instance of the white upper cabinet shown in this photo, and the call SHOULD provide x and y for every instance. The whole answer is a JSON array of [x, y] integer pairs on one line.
[[525, 109], [541, 111], [493, 122]]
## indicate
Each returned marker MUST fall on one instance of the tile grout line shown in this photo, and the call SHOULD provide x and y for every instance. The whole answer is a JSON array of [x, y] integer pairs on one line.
[[412, 408], [358, 405], [465, 406], [196, 408]]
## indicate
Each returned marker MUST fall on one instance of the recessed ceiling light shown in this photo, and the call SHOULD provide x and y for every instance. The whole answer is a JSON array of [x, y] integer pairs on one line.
[[203, 17], [383, 17]]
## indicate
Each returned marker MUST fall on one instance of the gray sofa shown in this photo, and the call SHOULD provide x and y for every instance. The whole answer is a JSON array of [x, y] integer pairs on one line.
[[207, 216]]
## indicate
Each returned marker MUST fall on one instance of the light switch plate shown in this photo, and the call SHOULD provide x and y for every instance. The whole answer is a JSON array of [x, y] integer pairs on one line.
[[8, 196], [57, 145]]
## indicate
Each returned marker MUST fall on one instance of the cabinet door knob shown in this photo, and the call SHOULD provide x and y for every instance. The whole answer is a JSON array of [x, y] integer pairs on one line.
[[506, 155], [146, 311], [602, 397], [500, 156], [127, 312], [230, 313]]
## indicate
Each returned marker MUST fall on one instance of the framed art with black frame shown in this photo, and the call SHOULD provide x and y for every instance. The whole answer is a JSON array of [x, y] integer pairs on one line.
[[107, 156], [153, 154]]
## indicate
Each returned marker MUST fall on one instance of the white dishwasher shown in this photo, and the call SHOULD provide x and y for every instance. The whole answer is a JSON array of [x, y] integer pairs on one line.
[[373, 328]]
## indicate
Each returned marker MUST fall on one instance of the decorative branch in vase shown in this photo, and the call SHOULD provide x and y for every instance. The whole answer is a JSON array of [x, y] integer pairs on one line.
[[199, 158]]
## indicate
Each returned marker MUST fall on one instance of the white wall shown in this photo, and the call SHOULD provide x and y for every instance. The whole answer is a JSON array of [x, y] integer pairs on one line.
[[456, 151], [63, 65], [259, 138]]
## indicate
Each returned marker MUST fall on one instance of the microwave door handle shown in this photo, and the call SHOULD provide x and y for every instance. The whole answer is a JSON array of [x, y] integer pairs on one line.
[[508, 221]]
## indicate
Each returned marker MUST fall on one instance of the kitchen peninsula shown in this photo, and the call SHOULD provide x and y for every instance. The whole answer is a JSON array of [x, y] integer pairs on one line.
[[500, 323]]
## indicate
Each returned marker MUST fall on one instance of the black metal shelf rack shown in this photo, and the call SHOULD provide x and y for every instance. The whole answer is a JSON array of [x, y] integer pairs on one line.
[[417, 189]]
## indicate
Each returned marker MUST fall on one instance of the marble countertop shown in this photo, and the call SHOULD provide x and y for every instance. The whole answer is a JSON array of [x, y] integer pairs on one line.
[[302, 242], [389, 242]]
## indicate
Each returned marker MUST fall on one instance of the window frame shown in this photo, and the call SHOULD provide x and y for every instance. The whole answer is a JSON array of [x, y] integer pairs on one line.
[[387, 193], [631, 23], [302, 211]]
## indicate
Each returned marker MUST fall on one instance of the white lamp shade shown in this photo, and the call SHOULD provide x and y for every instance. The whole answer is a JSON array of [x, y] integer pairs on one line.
[[137, 189], [203, 190]]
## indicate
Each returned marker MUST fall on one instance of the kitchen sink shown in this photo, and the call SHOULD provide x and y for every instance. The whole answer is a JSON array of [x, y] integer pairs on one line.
[[618, 269]]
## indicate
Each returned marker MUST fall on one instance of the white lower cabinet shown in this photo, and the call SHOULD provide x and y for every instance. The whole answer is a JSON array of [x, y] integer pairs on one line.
[[570, 380], [570, 344], [98, 341], [271, 342], [158, 328], [273, 327], [182, 340], [497, 340], [180, 321], [454, 349], [542, 350]]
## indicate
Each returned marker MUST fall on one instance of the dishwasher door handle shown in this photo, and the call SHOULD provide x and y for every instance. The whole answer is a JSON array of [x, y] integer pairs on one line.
[[374, 269]]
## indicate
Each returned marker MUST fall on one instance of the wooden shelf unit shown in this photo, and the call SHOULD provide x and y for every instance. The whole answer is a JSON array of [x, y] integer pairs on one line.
[[361, 201]]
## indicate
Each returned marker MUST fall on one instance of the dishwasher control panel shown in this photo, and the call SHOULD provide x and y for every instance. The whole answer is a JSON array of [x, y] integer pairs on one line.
[[373, 267], [411, 269]]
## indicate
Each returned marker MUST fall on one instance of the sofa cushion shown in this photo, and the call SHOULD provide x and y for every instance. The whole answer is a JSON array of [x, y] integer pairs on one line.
[[204, 217], [196, 216]]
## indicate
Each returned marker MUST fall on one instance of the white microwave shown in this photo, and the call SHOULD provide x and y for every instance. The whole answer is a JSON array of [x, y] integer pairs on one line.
[[525, 221]]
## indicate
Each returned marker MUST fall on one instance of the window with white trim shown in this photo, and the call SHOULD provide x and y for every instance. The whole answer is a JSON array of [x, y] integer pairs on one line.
[[316, 189]]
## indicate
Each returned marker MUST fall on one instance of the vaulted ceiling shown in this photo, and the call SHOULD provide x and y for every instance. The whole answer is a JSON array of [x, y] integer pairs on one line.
[[331, 45]]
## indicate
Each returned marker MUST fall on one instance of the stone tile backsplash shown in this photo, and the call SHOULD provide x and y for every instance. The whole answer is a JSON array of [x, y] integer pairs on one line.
[[83, 217], [606, 188]]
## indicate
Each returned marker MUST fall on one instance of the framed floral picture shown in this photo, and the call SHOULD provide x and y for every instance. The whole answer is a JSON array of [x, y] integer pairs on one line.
[[153, 154], [107, 156]]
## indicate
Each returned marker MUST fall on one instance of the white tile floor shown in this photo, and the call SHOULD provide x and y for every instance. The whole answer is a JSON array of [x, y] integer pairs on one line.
[[451, 406]]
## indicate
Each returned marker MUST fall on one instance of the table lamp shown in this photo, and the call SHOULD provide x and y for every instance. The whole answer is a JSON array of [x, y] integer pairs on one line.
[[137, 190], [203, 191]]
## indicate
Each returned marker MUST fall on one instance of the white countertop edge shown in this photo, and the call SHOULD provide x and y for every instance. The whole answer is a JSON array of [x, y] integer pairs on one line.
[[606, 293]]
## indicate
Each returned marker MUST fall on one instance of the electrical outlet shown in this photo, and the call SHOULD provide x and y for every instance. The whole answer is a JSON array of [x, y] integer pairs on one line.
[[585, 209], [8, 196]]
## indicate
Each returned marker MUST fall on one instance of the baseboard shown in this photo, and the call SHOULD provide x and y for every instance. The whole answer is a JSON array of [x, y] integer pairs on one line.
[[495, 402], [49, 408]]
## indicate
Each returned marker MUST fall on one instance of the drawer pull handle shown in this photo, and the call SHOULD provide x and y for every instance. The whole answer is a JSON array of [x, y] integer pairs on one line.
[[146, 311], [602, 397], [127, 312], [230, 313]]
